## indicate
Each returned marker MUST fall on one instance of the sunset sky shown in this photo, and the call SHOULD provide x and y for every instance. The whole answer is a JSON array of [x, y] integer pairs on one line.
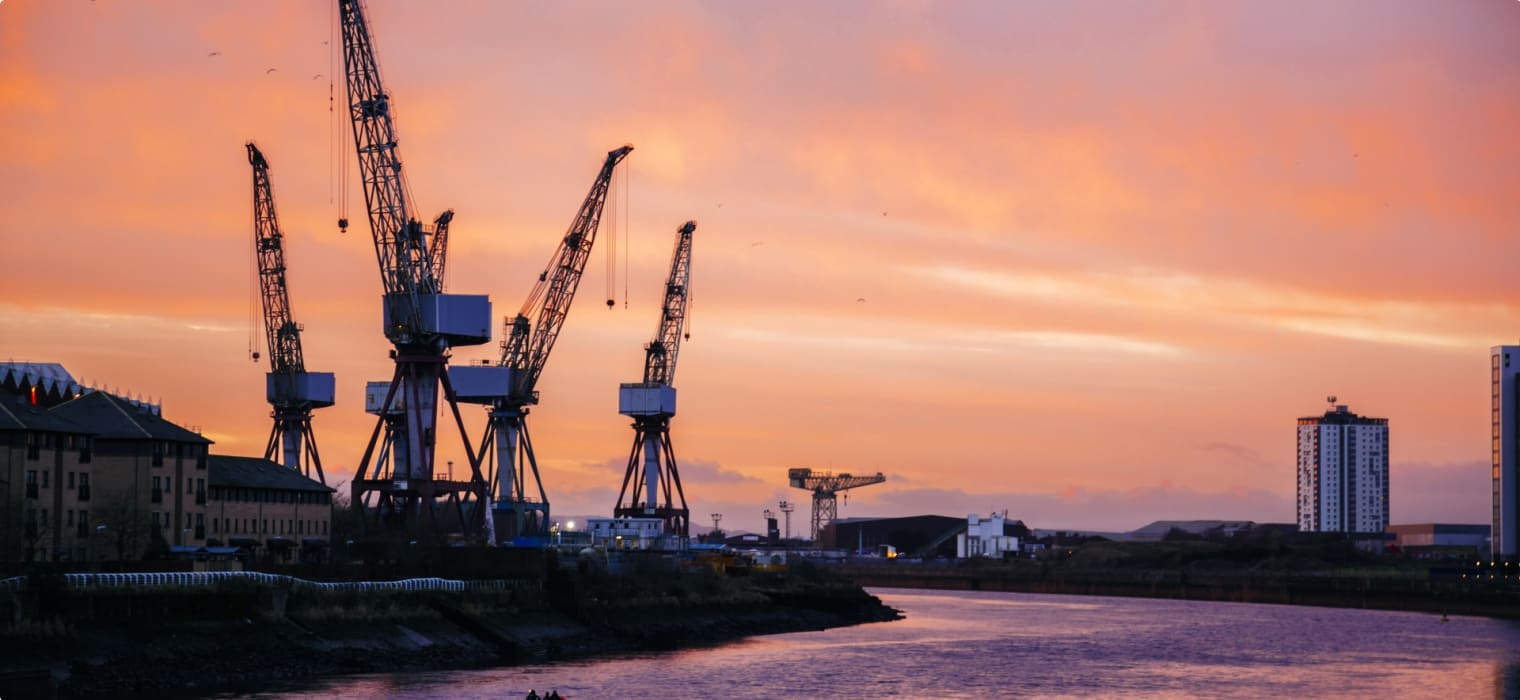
[[1108, 251]]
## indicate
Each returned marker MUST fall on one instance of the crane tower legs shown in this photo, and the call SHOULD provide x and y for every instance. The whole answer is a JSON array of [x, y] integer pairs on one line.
[[401, 485]]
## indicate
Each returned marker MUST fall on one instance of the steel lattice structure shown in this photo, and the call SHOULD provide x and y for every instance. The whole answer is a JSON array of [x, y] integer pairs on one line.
[[507, 447], [291, 390], [826, 488], [421, 321], [652, 403]]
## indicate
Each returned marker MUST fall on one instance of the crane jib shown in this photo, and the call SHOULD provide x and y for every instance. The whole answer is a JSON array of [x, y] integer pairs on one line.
[[411, 260]]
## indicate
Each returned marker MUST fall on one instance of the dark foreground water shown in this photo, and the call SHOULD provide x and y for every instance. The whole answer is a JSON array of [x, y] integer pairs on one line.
[[999, 645]]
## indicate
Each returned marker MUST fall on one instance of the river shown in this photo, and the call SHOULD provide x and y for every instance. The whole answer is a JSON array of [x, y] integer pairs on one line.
[[999, 645]]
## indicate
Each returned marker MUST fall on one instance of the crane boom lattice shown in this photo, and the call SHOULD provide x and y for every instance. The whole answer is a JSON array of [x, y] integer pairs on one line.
[[652, 403], [292, 392], [420, 320], [522, 508]]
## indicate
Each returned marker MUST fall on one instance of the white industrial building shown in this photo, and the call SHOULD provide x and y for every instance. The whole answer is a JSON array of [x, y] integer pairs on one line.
[[1342, 472], [985, 538], [631, 533]]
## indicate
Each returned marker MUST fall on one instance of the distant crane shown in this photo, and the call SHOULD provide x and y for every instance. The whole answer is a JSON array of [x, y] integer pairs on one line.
[[510, 386], [291, 390], [826, 488], [652, 403], [421, 322]]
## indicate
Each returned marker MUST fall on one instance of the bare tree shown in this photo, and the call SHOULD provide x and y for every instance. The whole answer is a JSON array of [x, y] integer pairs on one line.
[[122, 522], [36, 534]]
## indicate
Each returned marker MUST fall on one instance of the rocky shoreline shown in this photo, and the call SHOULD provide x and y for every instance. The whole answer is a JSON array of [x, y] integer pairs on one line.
[[437, 631]]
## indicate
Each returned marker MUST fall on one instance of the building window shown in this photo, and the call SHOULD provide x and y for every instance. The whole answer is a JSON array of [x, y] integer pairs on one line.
[[33, 447], [158, 453]]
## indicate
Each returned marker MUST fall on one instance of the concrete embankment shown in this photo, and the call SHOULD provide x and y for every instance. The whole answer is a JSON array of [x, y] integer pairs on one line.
[[115, 643], [1455, 596]]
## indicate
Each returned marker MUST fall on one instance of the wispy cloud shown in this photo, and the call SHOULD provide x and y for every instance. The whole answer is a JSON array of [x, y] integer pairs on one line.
[[1228, 301], [926, 338]]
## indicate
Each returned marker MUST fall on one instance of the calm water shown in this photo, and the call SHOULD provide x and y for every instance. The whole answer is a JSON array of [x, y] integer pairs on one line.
[[981, 645]]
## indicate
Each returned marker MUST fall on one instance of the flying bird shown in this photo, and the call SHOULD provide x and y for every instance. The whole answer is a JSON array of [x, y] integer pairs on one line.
[[214, 53], [271, 70], [860, 300], [314, 77], [757, 244]]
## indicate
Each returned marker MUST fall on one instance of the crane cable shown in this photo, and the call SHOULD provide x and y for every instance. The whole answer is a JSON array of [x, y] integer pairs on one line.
[[627, 241], [341, 140], [611, 245], [332, 116], [253, 277]]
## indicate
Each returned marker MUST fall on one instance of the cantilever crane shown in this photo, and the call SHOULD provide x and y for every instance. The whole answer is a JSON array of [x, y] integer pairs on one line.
[[419, 320], [291, 390], [826, 488], [524, 354], [652, 403]]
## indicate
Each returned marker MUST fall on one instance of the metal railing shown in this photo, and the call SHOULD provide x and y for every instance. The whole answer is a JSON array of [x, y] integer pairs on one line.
[[195, 579]]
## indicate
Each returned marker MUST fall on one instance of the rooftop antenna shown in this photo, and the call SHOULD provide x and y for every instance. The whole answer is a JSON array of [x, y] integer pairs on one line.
[[1330, 399]]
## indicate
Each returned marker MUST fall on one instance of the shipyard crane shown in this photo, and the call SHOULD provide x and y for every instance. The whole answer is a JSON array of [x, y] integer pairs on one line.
[[420, 321], [507, 447], [826, 487], [652, 403], [291, 390]]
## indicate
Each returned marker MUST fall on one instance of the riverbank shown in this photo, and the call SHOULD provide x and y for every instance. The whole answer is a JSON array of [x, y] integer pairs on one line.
[[119, 643], [1441, 595]]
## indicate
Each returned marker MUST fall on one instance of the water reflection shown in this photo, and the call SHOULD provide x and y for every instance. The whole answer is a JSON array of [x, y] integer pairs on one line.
[[968, 644]]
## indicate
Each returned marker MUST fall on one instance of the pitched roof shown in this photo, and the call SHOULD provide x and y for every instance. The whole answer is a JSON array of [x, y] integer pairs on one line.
[[18, 413], [257, 473], [111, 417], [54, 383]]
